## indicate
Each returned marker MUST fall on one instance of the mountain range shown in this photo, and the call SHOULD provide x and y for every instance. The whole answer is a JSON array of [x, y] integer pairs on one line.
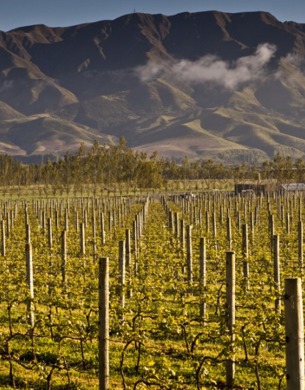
[[207, 85]]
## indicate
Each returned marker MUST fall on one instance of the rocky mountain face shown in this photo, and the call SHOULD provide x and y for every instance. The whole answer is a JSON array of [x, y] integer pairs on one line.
[[230, 87]]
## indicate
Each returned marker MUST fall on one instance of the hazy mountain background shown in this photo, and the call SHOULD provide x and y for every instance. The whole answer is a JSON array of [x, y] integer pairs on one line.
[[205, 85]]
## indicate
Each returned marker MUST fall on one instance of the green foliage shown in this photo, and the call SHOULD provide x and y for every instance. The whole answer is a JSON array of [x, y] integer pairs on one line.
[[159, 338], [117, 165]]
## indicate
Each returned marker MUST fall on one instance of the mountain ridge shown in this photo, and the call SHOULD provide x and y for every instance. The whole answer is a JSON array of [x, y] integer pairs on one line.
[[227, 86]]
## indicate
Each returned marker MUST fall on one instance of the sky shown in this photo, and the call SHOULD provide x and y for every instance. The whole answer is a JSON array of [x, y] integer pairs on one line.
[[61, 13]]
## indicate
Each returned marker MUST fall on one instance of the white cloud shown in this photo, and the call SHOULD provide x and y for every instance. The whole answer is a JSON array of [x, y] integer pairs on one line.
[[213, 69], [150, 71], [294, 60]]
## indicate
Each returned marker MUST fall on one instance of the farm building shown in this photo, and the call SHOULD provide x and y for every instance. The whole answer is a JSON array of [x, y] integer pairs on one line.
[[242, 188], [292, 187]]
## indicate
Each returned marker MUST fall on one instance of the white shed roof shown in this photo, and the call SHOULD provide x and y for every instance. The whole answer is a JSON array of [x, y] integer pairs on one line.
[[294, 187]]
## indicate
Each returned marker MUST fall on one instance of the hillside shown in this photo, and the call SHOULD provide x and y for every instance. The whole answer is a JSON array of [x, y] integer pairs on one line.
[[207, 85]]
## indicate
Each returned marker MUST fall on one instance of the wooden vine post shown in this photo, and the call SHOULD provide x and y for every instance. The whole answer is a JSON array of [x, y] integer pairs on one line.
[[93, 218], [215, 231], [230, 316], [128, 249], [64, 257], [104, 323], [300, 244], [30, 284], [202, 282], [66, 220], [103, 235], [288, 223], [82, 239], [135, 245], [182, 234], [177, 225], [189, 253], [122, 268], [3, 238], [271, 229], [214, 226], [276, 270], [128, 262], [207, 222], [245, 250], [294, 328], [229, 232], [50, 236]]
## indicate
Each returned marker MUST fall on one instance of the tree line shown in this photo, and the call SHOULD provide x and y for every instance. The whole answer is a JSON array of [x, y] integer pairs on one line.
[[116, 164]]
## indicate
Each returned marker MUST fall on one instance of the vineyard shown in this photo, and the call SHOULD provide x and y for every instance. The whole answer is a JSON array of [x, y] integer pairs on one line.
[[196, 290]]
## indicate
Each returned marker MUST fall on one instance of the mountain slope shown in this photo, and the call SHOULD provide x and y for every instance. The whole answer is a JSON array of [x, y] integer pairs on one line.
[[206, 85]]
